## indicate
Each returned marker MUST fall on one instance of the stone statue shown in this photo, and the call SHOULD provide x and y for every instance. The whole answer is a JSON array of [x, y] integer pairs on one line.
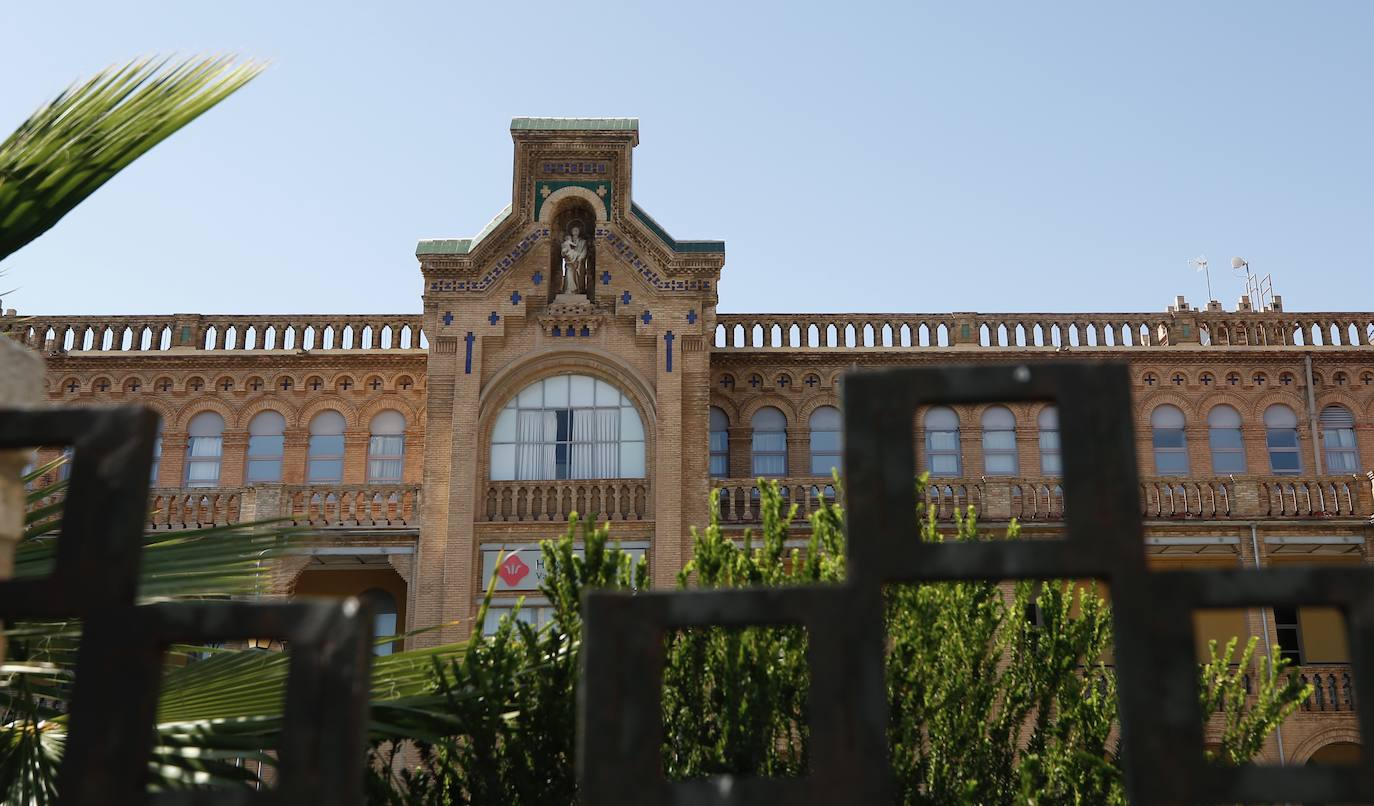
[[574, 260]]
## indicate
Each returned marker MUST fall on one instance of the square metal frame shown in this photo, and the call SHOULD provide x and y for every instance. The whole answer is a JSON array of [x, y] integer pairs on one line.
[[1177, 723], [620, 725], [322, 756]]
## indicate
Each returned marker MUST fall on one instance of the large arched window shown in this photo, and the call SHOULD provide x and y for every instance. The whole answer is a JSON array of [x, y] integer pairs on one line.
[[265, 447], [1281, 435], [386, 447], [1338, 440], [204, 446], [827, 438], [157, 455], [325, 454], [1051, 455], [720, 443], [568, 427], [999, 442], [1223, 436], [1170, 444], [769, 449], [942, 442]]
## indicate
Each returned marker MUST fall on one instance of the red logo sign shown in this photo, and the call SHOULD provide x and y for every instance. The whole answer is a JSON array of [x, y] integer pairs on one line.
[[512, 570]]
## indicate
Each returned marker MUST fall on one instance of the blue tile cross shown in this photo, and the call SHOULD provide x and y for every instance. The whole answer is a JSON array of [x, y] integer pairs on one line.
[[448, 318], [647, 317], [515, 297], [692, 317], [467, 364], [494, 318], [625, 298], [812, 380], [538, 277], [668, 349], [605, 278]]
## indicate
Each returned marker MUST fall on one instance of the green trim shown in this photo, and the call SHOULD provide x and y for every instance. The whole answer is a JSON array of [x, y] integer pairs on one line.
[[461, 246], [675, 245], [575, 124], [553, 187]]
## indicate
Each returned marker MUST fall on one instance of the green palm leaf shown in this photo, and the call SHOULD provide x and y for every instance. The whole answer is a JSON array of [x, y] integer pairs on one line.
[[72, 146]]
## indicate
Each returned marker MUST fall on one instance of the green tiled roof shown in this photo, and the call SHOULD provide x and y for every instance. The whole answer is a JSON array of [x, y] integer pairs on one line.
[[676, 245], [575, 124], [460, 246]]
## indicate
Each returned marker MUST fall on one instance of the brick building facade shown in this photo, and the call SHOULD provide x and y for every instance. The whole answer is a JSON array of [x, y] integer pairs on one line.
[[418, 446]]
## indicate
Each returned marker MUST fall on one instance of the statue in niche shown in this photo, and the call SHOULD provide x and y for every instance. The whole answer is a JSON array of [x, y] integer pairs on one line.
[[576, 252]]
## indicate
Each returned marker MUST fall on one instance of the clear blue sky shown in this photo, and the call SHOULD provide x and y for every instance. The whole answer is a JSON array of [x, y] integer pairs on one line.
[[863, 156]]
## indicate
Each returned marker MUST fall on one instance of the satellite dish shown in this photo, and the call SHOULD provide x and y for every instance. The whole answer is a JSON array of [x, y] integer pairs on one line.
[[1238, 262]]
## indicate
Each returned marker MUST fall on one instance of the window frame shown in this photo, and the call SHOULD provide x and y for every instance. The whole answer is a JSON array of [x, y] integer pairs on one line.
[[1234, 452], [756, 453], [1000, 453], [957, 452], [206, 459], [836, 453]]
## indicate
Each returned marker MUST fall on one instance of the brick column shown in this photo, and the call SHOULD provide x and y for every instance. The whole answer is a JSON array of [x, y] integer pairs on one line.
[[233, 456], [1247, 501], [798, 452], [295, 445], [355, 456], [741, 451], [171, 471], [996, 499]]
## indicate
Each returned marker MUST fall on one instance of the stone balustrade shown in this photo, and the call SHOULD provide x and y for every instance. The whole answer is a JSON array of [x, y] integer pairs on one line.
[[323, 505], [226, 333], [1042, 499], [553, 501], [1333, 687], [753, 332]]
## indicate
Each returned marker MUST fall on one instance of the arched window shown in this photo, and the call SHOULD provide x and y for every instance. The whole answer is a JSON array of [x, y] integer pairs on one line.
[[942, 442], [1338, 440], [827, 438], [1051, 457], [720, 443], [568, 427], [1170, 444], [265, 447], [384, 618], [769, 449], [157, 455], [999, 442], [325, 454], [204, 446], [1223, 436], [1281, 435], [386, 447]]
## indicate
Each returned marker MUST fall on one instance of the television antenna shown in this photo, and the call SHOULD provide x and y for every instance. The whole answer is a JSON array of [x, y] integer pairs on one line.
[[1260, 289], [1200, 263]]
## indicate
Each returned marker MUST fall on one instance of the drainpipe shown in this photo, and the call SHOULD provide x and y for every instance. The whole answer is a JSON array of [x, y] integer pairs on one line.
[[1264, 622], [1312, 414]]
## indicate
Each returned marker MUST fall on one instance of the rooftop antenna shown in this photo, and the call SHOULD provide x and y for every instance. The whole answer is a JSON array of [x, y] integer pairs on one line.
[[1200, 263], [1259, 289]]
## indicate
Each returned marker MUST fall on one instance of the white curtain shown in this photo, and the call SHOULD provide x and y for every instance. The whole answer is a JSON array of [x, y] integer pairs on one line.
[[581, 459], [536, 431], [607, 447]]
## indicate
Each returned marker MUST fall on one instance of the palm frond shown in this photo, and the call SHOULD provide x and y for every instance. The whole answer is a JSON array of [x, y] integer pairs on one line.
[[65, 151]]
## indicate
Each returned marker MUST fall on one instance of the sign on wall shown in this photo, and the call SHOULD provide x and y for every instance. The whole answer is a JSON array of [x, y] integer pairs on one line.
[[522, 565]]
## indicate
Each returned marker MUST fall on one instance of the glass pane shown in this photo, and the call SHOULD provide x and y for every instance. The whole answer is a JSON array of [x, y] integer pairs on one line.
[[384, 470], [944, 465], [1284, 461], [942, 440], [1228, 462], [720, 441], [264, 470], [327, 445], [630, 426], [607, 395], [1283, 438], [325, 471], [999, 440], [265, 446], [823, 463], [1340, 462], [770, 441], [582, 390], [502, 462], [1049, 440], [825, 441], [1339, 438], [386, 446], [556, 392], [1000, 464], [770, 465], [504, 431], [719, 466], [1225, 439], [202, 471], [631, 460], [1051, 465], [1168, 438], [531, 397], [1171, 463]]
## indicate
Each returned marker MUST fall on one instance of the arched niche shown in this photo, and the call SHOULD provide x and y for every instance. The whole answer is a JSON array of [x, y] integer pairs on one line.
[[572, 228]]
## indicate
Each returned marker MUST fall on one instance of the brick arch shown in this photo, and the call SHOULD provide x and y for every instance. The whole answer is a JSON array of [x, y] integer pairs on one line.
[[728, 406], [255, 407], [309, 410], [809, 406], [1292, 400], [194, 407], [1331, 735], [124, 382], [165, 412], [782, 404], [1330, 397], [791, 380], [550, 204], [1227, 398], [1138, 376], [977, 410], [1149, 402], [594, 362]]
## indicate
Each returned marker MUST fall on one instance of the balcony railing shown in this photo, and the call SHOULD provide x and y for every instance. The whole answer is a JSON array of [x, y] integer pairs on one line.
[[1333, 688], [1042, 499], [279, 333], [326, 505], [549, 501]]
